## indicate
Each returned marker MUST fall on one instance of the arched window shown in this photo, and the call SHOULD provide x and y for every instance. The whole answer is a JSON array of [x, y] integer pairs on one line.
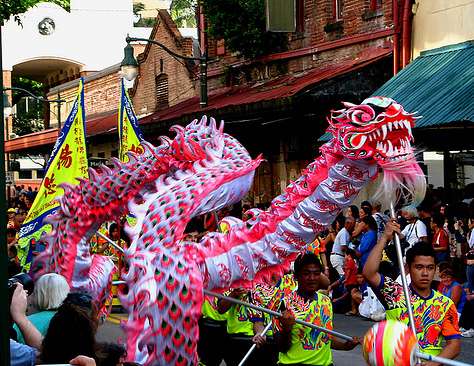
[[161, 91]]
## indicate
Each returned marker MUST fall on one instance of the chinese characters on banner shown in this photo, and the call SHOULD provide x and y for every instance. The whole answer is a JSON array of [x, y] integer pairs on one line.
[[129, 133], [67, 162]]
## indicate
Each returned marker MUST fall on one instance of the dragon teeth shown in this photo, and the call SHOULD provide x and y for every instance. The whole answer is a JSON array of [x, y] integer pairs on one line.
[[384, 131], [390, 126], [390, 148], [408, 127]]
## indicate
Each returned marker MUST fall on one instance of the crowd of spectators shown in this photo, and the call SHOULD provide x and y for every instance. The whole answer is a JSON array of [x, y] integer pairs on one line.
[[57, 326], [342, 251]]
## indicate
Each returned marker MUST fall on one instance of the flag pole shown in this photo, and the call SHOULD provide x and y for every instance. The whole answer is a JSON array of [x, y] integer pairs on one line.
[[110, 242], [441, 360]]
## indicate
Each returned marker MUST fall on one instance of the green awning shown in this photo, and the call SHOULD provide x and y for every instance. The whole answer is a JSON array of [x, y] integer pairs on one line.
[[439, 85]]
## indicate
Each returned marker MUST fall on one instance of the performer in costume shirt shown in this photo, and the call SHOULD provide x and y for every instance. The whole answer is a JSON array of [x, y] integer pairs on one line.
[[436, 318], [300, 345]]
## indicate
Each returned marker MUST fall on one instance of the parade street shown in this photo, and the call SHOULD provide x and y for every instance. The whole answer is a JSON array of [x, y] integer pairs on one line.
[[110, 331], [238, 182]]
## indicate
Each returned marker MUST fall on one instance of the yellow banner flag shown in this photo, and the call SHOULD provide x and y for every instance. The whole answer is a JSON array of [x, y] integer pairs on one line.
[[129, 133], [67, 162]]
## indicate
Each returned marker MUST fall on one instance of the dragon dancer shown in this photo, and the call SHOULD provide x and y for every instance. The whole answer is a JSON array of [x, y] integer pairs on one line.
[[436, 317]]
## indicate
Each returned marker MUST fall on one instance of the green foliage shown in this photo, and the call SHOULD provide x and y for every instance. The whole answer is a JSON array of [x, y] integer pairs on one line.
[[146, 22], [142, 22], [34, 87], [242, 26], [138, 7], [183, 12], [14, 8], [31, 121]]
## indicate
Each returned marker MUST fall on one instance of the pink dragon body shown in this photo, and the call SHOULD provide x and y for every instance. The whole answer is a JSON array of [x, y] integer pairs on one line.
[[202, 170]]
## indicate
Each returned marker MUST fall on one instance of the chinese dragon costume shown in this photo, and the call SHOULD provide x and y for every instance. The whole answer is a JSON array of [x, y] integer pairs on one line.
[[202, 170]]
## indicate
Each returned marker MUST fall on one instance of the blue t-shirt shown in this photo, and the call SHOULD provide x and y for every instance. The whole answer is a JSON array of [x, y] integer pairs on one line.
[[21, 354], [41, 322], [367, 243], [447, 291]]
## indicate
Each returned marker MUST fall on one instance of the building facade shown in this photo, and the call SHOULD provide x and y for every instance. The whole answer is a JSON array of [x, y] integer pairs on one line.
[[436, 24], [163, 80], [277, 104]]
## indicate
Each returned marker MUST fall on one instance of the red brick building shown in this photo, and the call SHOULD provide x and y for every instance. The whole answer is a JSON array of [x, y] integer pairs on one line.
[[163, 80], [342, 50]]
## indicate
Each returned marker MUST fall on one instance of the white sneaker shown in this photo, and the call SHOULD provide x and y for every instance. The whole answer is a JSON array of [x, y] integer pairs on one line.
[[462, 330], [468, 333]]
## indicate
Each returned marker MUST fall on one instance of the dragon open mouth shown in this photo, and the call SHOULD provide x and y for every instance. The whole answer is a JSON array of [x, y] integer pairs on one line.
[[391, 141]]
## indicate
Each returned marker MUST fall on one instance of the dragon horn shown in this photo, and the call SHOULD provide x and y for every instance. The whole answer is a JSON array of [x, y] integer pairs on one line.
[[177, 128], [212, 124]]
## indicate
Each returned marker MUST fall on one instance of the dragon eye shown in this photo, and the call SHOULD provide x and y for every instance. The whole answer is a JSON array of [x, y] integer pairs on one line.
[[363, 153]]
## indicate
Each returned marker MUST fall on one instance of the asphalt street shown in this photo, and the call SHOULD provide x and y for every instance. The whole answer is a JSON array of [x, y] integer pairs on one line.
[[110, 331]]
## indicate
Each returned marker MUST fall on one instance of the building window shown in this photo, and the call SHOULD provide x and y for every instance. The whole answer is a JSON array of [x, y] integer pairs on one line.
[[40, 174], [375, 4], [161, 91], [25, 174], [337, 6], [300, 16]]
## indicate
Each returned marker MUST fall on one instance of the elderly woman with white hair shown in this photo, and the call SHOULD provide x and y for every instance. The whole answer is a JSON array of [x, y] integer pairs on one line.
[[415, 230], [50, 291]]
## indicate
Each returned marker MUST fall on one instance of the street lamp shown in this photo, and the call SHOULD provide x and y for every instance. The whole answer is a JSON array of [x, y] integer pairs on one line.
[[4, 300], [129, 65]]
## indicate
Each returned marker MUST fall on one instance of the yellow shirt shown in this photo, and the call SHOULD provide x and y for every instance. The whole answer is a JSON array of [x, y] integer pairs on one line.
[[209, 311], [309, 346], [238, 318]]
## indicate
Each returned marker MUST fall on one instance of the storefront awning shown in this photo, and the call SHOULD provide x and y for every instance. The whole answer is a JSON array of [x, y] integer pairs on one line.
[[439, 84]]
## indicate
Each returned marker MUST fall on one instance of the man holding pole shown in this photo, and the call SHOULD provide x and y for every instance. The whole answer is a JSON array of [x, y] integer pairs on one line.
[[435, 315], [298, 344]]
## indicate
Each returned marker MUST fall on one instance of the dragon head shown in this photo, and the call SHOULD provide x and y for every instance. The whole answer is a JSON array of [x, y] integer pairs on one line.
[[380, 129]]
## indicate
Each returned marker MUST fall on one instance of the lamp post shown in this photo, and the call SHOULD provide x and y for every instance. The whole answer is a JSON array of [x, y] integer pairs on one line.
[[4, 300], [129, 65]]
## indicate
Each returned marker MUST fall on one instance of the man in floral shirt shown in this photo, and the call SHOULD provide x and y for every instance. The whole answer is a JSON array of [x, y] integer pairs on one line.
[[435, 315]]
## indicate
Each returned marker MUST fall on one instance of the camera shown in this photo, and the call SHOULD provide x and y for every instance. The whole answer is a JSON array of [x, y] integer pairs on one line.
[[24, 279]]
